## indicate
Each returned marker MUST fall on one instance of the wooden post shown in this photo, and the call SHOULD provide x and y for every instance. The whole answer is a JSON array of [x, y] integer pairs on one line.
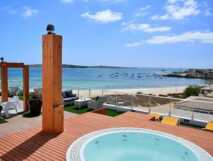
[[53, 111], [4, 82], [26, 87]]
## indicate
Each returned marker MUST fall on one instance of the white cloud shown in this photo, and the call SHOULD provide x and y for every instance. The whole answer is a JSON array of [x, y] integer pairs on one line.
[[145, 28], [105, 16], [199, 37], [179, 9], [28, 11], [143, 11]]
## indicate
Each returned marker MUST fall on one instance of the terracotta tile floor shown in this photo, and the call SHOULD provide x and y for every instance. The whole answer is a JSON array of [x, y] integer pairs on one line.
[[35, 145]]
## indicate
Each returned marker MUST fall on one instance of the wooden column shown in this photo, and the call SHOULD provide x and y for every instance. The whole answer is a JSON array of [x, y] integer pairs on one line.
[[53, 111], [26, 87], [4, 82]]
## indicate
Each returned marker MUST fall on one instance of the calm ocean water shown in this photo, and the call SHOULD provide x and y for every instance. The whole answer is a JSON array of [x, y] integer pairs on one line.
[[106, 78]]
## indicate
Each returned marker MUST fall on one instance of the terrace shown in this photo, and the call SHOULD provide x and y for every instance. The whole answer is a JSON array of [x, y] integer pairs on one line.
[[49, 136], [33, 144]]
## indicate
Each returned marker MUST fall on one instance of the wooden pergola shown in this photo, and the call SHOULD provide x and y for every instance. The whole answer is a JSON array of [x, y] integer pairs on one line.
[[4, 81], [52, 102]]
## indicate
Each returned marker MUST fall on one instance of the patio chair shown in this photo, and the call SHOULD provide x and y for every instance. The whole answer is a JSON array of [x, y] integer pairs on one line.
[[209, 126], [155, 117], [169, 120], [12, 104], [8, 106], [69, 97]]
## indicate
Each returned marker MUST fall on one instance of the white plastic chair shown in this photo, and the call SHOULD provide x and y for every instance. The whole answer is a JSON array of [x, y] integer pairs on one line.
[[9, 106], [15, 99]]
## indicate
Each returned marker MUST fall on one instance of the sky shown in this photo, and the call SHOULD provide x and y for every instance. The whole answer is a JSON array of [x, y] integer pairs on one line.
[[135, 33]]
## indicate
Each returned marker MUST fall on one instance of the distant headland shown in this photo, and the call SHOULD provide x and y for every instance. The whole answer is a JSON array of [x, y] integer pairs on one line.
[[193, 73], [82, 66]]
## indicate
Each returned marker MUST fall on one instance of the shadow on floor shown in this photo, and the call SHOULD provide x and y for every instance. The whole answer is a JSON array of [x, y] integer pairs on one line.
[[2, 120], [28, 147]]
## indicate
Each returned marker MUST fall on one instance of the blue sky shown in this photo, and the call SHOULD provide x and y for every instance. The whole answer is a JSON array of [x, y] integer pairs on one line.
[[142, 33]]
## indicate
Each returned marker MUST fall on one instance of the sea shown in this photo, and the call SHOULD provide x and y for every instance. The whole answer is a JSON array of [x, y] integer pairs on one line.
[[107, 78]]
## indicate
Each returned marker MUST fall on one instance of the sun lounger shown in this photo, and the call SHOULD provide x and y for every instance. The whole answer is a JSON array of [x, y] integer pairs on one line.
[[209, 126], [97, 103], [168, 120]]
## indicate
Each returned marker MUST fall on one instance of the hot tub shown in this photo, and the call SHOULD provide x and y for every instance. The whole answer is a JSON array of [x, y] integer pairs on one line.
[[134, 144]]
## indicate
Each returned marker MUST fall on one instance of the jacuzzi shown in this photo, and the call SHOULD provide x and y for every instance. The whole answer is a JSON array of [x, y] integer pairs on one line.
[[134, 144]]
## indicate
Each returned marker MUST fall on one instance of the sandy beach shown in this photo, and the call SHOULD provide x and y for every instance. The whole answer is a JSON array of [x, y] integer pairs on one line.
[[153, 91]]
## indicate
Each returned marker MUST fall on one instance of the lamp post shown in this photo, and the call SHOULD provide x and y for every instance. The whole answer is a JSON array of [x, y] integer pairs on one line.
[[50, 29], [2, 59]]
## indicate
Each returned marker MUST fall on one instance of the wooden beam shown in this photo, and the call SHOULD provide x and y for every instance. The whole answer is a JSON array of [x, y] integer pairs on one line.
[[15, 65], [26, 87], [4, 82], [53, 111], [12, 65]]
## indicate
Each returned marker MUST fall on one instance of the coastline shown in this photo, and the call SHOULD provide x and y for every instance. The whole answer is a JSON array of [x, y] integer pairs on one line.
[[153, 91], [114, 79]]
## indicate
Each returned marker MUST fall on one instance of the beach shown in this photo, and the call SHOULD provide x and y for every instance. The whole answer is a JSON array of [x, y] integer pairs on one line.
[[92, 82], [153, 91]]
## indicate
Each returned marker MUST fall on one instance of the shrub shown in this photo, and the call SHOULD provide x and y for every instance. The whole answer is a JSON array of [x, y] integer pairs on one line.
[[191, 91]]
